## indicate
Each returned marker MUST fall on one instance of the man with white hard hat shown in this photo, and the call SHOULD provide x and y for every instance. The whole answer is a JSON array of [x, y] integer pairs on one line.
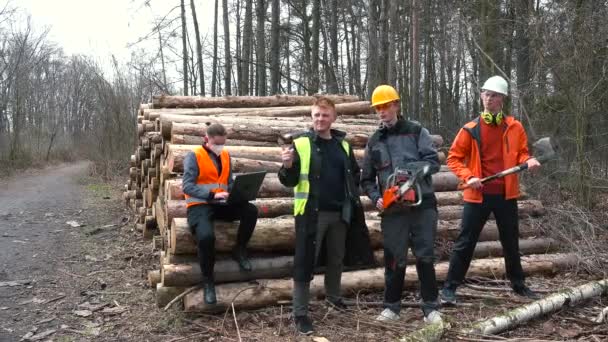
[[488, 144]]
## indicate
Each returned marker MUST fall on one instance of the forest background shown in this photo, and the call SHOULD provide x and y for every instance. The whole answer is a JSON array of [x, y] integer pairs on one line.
[[60, 107]]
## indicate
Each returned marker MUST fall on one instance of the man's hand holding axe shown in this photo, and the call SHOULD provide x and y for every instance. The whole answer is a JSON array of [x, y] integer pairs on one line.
[[545, 148]]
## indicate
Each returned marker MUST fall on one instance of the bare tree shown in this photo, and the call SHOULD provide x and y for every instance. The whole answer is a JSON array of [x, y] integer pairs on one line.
[[246, 54], [214, 71], [313, 86], [261, 48], [275, 50], [199, 49], [184, 47]]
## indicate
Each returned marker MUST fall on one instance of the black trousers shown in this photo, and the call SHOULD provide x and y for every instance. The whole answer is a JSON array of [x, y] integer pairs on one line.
[[200, 220], [474, 217], [400, 230]]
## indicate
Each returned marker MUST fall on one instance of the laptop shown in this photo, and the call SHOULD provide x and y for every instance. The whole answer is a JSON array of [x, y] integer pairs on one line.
[[245, 188]]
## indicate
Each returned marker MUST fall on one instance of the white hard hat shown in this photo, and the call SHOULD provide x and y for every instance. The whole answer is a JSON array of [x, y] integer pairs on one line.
[[496, 84]]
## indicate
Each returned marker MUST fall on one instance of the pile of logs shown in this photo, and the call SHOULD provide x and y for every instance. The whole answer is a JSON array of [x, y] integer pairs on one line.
[[171, 126]]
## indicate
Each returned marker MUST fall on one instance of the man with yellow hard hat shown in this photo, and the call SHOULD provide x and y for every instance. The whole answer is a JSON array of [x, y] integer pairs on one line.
[[400, 148]]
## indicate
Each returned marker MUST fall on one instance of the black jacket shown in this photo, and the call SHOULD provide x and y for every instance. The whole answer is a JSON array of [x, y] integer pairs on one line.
[[358, 248], [405, 145]]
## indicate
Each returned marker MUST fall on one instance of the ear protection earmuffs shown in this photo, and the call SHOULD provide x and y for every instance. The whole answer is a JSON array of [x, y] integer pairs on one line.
[[492, 119]]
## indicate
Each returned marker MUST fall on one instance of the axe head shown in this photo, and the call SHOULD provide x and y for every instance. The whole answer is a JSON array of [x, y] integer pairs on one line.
[[545, 149], [285, 139]]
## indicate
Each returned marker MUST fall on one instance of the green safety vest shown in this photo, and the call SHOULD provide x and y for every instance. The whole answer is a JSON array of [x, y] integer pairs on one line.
[[301, 190]]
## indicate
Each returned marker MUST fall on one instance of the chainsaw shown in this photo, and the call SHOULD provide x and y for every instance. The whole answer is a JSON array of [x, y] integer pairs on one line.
[[402, 187]]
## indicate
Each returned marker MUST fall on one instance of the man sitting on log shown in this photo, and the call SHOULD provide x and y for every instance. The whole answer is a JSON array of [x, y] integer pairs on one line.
[[487, 145], [329, 218], [397, 151], [207, 180]]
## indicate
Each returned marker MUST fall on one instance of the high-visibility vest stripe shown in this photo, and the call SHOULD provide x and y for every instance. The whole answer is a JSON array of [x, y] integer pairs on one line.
[[302, 189]]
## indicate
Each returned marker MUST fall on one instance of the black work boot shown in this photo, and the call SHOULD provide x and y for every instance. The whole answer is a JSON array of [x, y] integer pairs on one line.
[[336, 303], [525, 291], [239, 254], [447, 295], [209, 291], [303, 325]]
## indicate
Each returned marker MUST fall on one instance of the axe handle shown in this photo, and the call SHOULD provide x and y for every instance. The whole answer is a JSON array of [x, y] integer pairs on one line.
[[514, 169]]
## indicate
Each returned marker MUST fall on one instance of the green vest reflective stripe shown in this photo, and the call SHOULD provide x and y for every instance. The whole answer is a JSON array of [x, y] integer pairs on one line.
[[301, 190]]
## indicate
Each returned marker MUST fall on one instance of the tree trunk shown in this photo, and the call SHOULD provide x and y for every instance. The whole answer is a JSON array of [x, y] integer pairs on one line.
[[153, 278], [271, 187], [214, 73], [490, 29], [181, 275], [414, 105], [523, 56], [227, 59], [161, 101], [276, 234], [165, 294], [188, 274], [176, 154], [313, 86], [245, 55], [184, 48], [199, 49], [373, 60], [554, 302], [332, 61], [261, 48], [246, 296], [275, 49]]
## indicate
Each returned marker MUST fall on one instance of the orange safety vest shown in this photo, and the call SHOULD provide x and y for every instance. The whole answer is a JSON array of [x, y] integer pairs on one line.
[[465, 161], [208, 176]]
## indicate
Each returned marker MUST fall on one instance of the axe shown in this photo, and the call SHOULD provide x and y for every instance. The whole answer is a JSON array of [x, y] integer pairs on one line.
[[545, 149]]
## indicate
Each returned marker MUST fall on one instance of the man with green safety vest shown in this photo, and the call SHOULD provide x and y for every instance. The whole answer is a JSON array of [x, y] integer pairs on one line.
[[329, 219]]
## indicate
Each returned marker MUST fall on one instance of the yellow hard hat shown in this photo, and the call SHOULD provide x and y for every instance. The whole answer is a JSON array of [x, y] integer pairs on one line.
[[384, 94]]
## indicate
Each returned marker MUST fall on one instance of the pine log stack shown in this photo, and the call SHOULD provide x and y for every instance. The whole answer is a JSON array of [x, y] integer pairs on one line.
[[172, 126]]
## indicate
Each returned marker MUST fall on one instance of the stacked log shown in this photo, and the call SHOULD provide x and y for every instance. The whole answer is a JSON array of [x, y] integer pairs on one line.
[[170, 127]]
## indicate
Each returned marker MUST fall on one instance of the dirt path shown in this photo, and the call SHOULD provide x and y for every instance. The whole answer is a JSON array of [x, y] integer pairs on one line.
[[87, 281], [63, 266]]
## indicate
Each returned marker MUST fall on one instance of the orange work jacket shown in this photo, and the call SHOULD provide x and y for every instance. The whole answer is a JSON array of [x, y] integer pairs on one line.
[[465, 161], [208, 176]]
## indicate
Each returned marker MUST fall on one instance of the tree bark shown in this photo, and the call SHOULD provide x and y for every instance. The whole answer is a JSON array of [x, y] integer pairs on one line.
[[275, 49], [214, 73], [227, 60], [269, 292], [271, 187], [182, 275], [188, 274], [245, 55], [313, 86], [176, 154], [261, 48], [184, 48], [275, 233], [165, 294], [153, 278], [554, 302], [163, 101], [199, 49]]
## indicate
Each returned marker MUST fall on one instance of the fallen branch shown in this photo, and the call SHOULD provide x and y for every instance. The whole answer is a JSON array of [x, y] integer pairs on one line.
[[538, 308], [180, 297]]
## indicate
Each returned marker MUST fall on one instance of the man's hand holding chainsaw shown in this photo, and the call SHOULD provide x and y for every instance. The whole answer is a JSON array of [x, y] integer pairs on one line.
[[380, 204]]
